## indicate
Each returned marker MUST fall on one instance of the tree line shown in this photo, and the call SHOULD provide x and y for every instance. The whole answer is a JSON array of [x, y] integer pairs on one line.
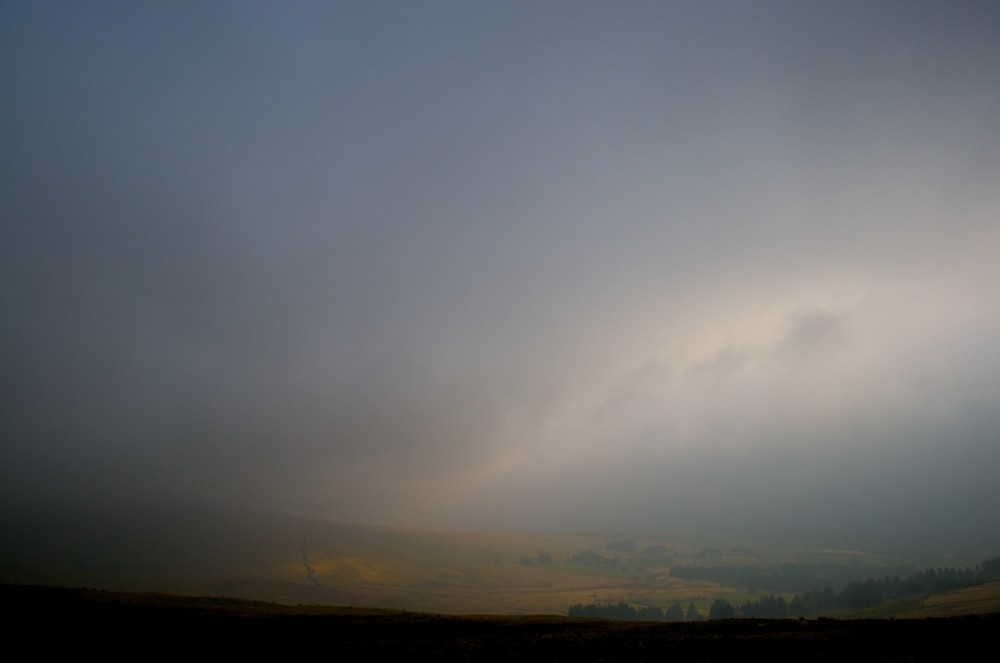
[[591, 558], [855, 594], [627, 612], [785, 578], [865, 593]]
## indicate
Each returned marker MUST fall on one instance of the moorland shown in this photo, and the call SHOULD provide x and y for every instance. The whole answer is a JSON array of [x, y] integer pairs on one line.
[[240, 582], [120, 626]]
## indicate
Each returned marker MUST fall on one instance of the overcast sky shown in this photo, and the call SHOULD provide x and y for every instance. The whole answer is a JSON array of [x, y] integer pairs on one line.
[[531, 266]]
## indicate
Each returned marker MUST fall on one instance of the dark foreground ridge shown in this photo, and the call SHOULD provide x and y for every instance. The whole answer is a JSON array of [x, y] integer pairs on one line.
[[123, 626]]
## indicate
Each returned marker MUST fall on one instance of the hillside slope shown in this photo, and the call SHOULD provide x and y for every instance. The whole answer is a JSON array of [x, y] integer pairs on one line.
[[300, 561]]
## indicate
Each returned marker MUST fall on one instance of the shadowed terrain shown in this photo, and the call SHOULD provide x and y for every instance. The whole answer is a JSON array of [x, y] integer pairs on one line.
[[200, 627], [293, 561]]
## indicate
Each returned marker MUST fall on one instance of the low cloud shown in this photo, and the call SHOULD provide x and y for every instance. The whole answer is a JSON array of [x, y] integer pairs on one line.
[[469, 267]]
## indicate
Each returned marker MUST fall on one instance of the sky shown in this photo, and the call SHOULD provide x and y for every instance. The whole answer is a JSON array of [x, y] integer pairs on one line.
[[534, 266]]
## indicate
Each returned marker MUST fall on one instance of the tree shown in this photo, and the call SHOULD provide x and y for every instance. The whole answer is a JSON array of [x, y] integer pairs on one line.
[[692, 613], [675, 613], [721, 609]]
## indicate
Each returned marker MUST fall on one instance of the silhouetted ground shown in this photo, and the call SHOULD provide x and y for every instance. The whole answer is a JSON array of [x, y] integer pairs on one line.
[[63, 622]]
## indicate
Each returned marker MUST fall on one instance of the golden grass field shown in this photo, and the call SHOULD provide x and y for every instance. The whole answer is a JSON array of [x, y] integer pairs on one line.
[[295, 561]]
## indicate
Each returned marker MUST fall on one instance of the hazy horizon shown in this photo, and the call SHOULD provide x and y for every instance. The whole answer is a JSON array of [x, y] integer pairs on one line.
[[506, 266]]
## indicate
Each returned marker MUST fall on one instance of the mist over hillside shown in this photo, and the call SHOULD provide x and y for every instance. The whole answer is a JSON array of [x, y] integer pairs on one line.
[[293, 561]]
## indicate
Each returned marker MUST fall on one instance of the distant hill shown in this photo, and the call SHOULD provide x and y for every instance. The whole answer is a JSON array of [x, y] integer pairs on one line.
[[294, 561]]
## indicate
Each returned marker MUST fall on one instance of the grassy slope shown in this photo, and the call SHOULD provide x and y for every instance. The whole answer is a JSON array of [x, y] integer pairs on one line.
[[465, 572], [297, 561], [975, 600]]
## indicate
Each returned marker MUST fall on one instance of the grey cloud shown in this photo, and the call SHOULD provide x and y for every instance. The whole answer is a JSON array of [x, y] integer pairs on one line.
[[814, 334], [727, 361], [530, 266], [641, 385]]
